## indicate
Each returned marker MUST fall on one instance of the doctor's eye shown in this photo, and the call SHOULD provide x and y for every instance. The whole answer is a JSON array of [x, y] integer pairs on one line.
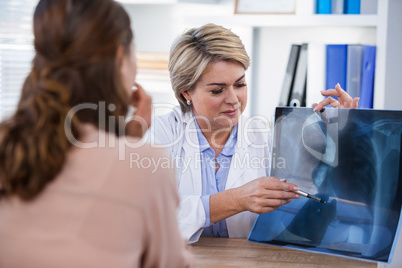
[[216, 91], [241, 85]]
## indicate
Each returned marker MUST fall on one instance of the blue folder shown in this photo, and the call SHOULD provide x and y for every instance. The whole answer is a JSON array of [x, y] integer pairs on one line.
[[350, 158], [353, 6], [336, 65], [368, 73], [323, 6]]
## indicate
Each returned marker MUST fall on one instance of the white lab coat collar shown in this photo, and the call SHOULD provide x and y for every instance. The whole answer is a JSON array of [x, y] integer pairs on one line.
[[245, 137]]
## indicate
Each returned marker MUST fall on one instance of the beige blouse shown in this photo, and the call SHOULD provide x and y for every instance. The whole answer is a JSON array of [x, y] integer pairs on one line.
[[113, 205]]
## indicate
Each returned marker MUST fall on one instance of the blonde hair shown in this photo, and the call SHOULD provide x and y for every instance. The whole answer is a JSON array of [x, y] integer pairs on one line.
[[196, 50]]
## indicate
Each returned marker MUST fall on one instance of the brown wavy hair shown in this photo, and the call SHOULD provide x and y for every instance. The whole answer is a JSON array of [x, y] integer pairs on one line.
[[76, 43]]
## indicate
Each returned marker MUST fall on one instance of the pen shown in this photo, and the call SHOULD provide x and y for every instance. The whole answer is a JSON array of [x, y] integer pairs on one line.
[[305, 194]]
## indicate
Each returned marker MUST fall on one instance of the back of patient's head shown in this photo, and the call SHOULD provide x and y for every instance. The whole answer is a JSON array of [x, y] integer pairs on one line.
[[76, 43], [196, 50]]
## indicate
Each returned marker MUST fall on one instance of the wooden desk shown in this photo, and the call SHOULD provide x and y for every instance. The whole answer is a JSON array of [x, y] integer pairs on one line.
[[231, 252]]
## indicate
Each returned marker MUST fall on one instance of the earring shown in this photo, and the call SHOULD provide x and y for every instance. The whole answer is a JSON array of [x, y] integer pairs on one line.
[[188, 102]]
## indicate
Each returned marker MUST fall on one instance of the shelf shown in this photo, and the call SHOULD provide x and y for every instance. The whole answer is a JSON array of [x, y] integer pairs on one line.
[[275, 20]]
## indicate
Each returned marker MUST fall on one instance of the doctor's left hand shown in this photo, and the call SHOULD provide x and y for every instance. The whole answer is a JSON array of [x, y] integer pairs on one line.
[[344, 99]]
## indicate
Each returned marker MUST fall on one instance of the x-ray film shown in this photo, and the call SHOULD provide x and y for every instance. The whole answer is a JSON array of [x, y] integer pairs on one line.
[[351, 159]]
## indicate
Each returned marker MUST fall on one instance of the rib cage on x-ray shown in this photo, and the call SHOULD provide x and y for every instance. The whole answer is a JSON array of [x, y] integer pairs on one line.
[[350, 158]]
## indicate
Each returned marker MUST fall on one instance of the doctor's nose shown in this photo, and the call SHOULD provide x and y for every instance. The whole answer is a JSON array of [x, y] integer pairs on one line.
[[231, 98]]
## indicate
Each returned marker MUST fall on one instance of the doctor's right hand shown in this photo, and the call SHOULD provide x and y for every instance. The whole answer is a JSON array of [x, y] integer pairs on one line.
[[265, 194]]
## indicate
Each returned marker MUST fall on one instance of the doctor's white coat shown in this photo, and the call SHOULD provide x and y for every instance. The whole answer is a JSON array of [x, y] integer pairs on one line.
[[176, 132]]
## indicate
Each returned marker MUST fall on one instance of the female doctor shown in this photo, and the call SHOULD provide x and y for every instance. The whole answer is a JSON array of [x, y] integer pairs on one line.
[[222, 158]]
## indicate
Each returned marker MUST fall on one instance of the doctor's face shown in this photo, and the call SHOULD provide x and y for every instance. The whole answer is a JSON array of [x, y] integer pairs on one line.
[[220, 96]]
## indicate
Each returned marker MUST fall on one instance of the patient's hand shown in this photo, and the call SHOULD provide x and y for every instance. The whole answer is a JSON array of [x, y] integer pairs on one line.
[[344, 99], [141, 120]]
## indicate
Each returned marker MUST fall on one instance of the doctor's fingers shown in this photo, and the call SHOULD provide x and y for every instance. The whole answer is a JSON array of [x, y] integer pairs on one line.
[[345, 100], [279, 194], [355, 102], [268, 205], [336, 92], [328, 101], [272, 183]]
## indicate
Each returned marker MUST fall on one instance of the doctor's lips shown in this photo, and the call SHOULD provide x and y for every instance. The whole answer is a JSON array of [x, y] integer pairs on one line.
[[305, 194], [231, 112]]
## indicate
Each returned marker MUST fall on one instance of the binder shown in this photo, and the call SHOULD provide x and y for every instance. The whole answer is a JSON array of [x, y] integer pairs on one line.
[[289, 75], [323, 6], [336, 66], [298, 97], [316, 64], [337, 7], [354, 69], [353, 7], [368, 6], [368, 72]]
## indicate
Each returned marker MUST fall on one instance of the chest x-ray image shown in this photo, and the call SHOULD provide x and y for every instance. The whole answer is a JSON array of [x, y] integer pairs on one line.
[[351, 159]]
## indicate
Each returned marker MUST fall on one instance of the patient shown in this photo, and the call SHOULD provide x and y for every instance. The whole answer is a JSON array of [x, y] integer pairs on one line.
[[70, 197]]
